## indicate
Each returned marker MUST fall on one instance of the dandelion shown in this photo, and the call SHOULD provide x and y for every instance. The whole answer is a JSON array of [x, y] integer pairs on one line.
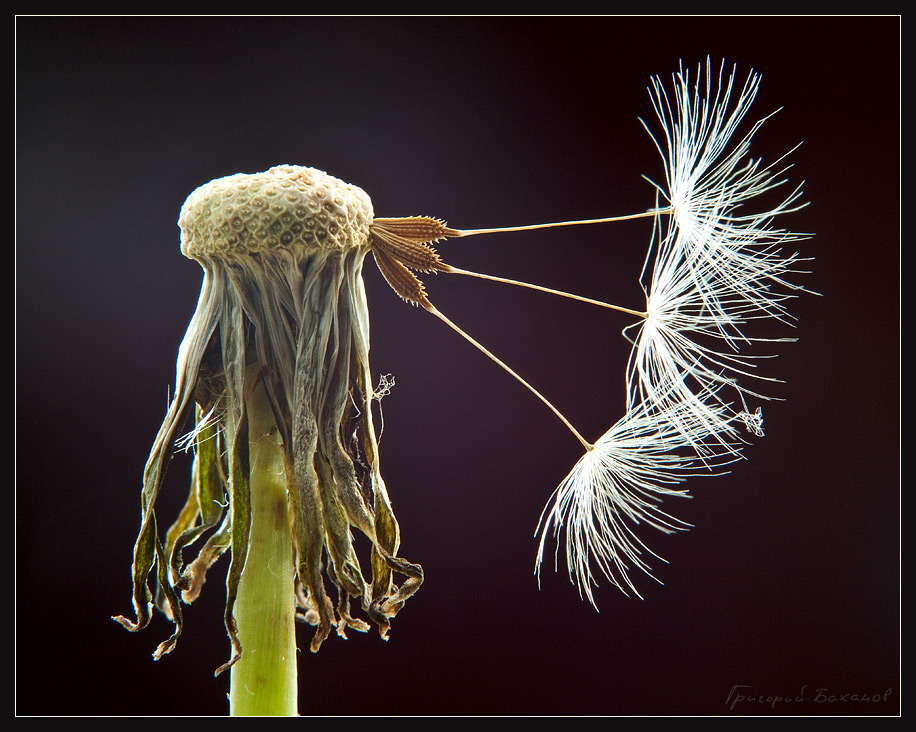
[[276, 358], [274, 372]]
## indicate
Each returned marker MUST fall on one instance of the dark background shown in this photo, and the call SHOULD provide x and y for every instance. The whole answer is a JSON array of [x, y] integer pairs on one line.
[[789, 583]]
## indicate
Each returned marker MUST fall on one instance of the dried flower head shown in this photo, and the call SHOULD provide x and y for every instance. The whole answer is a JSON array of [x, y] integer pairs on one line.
[[282, 253]]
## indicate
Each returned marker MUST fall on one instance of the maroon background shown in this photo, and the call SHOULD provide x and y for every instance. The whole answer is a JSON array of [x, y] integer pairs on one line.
[[790, 581]]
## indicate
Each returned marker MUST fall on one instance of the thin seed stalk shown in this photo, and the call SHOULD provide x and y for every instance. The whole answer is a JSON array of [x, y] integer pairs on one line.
[[263, 680]]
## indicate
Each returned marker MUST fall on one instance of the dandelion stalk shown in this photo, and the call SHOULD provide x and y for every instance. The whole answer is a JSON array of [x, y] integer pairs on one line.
[[263, 680]]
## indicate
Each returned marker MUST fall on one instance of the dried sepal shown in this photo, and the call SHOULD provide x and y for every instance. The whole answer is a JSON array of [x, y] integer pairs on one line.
[[195, 573], [171, 597], [148, 550], [240, 499], [202, 512]]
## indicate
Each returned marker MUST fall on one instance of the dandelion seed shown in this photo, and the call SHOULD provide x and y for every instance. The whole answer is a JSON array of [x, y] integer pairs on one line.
[[616, 486], [715, 268], [734, 257], [712, 269]]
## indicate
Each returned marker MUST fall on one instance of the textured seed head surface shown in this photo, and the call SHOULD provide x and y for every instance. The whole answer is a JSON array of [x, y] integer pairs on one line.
[[288, 207]]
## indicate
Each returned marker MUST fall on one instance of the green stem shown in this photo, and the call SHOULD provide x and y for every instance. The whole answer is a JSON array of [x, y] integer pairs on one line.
[[263, 680]]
